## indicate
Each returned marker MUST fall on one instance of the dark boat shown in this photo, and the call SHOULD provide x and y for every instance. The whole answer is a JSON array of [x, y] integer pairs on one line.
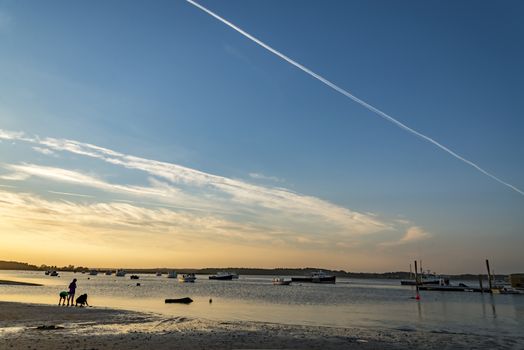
[[185, 300], [222, 276], [134, 277], [316, 277]]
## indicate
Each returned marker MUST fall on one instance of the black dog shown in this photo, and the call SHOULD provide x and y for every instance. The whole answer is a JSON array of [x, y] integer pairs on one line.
[[82, 300]]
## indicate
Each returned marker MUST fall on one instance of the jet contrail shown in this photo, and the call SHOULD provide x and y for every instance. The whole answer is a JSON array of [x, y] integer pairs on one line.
[[353, 97]]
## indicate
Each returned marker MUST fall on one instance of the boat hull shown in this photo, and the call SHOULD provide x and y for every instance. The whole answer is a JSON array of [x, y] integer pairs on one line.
[[221, 278], [326, 279]]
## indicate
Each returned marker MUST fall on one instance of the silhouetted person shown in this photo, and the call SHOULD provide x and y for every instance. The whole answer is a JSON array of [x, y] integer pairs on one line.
[[82, 300], [72, 289], [63, 296]]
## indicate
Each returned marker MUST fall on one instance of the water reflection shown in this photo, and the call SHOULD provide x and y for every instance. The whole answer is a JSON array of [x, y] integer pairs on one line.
[[488, 298], [350, 303]]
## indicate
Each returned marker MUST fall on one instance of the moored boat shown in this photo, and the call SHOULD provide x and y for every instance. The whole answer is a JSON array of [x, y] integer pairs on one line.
[[134, 277], [120, 273], [279, 281], [223, 276], [187, 277], [53, 273], [171, 274], [316, 277], [425, 279], [93, 272]]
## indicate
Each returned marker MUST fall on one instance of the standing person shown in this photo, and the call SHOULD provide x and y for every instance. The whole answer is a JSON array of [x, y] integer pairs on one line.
[[72, 289]]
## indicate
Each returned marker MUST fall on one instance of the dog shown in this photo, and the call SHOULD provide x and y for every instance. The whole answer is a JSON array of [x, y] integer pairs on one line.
[[82, 300]]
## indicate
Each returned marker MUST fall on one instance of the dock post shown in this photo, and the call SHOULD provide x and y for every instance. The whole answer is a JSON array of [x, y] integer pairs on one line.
[[489, 275], [417, 296], [480, 283]]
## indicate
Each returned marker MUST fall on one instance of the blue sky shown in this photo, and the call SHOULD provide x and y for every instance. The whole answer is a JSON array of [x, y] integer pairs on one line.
[[165, 82]]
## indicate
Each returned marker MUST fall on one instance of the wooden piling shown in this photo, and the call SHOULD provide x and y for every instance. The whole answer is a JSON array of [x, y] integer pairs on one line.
[[480, 283], [416, 282], [489, 275]]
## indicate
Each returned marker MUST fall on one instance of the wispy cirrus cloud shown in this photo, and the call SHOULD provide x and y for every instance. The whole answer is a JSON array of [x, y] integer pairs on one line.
[[186, 187], [259, 176], [44, 151], [413, 234]]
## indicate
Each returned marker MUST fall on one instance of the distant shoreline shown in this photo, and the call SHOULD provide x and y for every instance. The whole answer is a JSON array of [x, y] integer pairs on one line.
[[398, 275]]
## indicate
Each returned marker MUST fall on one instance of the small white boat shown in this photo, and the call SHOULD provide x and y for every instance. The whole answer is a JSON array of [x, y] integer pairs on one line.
[[279, 281], [187, 277], [171, 274], [120, 273]]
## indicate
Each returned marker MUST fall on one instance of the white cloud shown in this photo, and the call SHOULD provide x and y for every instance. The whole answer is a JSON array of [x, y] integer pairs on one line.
[[15, 176], [45, 151], [412, 234], [259, 176], [190, 189]]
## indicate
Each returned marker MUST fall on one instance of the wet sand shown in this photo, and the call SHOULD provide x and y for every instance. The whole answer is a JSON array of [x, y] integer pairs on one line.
[[17, 283], [101, 328]]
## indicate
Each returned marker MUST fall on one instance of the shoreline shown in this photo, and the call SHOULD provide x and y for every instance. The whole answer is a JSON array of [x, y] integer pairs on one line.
[[18, 283], [100, 328]]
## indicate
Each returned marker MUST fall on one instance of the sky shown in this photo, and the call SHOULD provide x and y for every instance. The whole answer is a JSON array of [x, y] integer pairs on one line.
[[150, 134]]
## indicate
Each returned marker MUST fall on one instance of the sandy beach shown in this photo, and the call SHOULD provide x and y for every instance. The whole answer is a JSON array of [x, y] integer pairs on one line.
[[34, 326]]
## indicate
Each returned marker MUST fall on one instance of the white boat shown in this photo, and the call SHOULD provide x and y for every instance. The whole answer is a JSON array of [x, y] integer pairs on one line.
[[279, 281], [187, 277], [120, 273], [93, 272], [171, 274]]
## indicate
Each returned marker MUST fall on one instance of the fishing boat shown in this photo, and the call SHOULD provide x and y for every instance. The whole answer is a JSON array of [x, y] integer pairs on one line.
[[120, 273], [187, 277], [223, 276], [134, 277], [53, 273], [316, 277], [171, 274], [93, 272], [279, 281]]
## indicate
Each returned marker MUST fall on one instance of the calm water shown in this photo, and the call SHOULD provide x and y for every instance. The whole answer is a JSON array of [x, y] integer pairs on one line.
[[348, 303]]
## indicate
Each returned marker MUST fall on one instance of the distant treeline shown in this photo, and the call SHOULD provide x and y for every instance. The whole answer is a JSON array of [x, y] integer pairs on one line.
[[13, 265]]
